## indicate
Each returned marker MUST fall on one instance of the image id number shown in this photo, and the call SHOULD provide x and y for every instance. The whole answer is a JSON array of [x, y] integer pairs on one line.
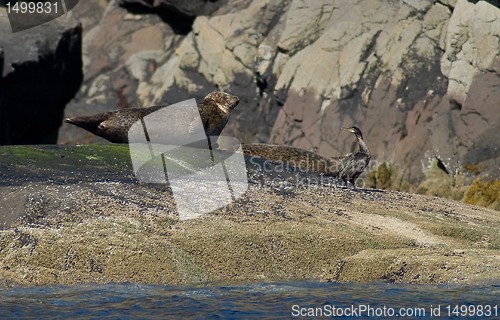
[[32, 7], [472, 310]]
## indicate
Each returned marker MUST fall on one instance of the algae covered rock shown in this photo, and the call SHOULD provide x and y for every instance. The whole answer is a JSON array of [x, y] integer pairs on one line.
[[78, 215]]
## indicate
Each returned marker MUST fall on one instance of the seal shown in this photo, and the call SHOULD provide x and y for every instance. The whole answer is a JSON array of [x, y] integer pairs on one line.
[[214, 110], [299, 158]]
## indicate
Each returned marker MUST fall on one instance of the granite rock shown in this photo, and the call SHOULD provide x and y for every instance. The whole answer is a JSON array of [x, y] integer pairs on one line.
[[472, 46]]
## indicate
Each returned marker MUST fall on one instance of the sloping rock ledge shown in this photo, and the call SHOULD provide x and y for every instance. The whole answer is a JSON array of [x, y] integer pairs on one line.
[[76, 214]]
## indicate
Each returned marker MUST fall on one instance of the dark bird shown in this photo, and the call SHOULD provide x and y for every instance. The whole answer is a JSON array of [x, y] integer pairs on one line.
[[263, 86], [261, 83], [441, 165], [352, 165], [114, 126]]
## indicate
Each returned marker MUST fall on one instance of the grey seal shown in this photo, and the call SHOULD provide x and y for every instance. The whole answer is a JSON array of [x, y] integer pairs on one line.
[[214, 110]]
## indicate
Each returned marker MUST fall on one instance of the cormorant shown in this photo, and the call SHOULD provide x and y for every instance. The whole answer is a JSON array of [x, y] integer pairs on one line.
[[352, 165]]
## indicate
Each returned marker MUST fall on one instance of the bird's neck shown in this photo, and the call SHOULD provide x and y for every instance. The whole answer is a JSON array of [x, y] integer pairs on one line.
[[362, 145]]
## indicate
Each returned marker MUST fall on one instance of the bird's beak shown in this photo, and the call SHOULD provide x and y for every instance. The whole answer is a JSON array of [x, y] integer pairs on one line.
[[348, 129]]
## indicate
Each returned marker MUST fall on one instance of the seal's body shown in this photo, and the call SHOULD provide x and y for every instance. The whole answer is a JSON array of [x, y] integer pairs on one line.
[[302, 159], [113, 126]]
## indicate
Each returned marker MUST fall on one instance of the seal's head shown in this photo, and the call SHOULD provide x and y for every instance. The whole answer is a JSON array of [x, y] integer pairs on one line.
[[224, 101]]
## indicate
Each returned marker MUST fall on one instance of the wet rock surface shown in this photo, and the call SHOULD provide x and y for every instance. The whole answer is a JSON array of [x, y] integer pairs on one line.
[[78, 215]]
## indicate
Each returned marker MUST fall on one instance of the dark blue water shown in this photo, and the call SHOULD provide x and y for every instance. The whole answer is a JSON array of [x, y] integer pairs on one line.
[[254, 301]]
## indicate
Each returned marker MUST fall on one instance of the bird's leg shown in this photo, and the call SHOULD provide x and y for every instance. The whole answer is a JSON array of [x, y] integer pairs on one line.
[[353, 182]]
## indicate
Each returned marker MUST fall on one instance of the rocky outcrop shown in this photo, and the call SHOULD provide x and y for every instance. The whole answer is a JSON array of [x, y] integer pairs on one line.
[[471, 47], [41, 72], [120, 40], [387, 73], [178, 14], [88, 13], [418, 77], [78, 215]]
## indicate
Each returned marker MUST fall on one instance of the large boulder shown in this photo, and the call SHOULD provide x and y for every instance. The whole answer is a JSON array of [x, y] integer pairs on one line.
[[41, 72], [77, 214]]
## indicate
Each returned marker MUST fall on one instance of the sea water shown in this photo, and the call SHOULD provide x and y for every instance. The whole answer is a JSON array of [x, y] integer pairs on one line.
[[307, 299]]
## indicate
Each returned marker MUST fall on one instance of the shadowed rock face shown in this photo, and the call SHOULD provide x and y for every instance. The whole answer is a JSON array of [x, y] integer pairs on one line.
[[42, 71], [179, 14], [214, 111]]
